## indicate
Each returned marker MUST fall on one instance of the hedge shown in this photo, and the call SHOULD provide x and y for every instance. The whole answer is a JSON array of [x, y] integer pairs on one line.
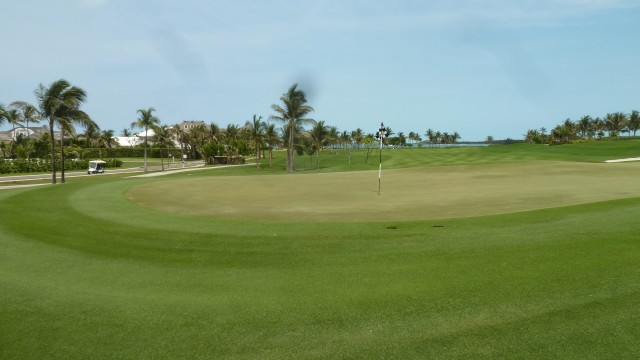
[[127, 152]]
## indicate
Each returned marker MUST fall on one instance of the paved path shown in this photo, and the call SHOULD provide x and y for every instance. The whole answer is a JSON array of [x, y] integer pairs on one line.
[[173, 171], [155, 171]]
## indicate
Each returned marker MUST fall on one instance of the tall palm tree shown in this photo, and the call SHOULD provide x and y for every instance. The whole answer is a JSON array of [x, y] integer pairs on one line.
[[455, 137], [106, 138], [162, 139], [56, 101], [196, 138], [333, 136], [28, 113], [232, 132], [402, 139], [91, 133], [216, 133], [358, 137], [12, 115], [615, 123], [599, 126], [438, 137], [346, 139], [68, 117], [145, 120], [3, 111], [634, 121], [292, 113], [319, 135], [431, 136], [584, 126], [272, 138], [255, 131]]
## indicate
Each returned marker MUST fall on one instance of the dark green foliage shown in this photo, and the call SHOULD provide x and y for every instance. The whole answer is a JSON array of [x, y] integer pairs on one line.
[[128, 152]]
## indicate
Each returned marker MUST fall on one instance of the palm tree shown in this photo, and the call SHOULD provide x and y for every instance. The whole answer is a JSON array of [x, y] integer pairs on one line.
[[438, 137], [411, 137], [599, 126], [615, 123], [29, 113], [145, 120], [69, 116], [358, 137], [12, 115], [584, 126], [196, 138], [564, 133], [431, 136], [106, 138], [634, 121], [333, 136], [162, 139], [455, 137], [255, 132], [24, 150], [272, 138], [292, 114], [402, 139], [319, 135], [2, 114], [91, 132], [216, 133], [58, 100], [346, 139], [232, 132]]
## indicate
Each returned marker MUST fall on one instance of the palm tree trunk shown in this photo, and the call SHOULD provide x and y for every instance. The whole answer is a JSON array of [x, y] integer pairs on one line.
[[62, 154], [53, 151], [145, 149], [257, 156], [290, 153]]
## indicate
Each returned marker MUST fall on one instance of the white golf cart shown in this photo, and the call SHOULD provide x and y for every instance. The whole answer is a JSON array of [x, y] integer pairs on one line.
[[96, 167]]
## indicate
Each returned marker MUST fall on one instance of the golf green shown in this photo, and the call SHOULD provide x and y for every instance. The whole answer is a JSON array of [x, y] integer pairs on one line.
[[406, 194]]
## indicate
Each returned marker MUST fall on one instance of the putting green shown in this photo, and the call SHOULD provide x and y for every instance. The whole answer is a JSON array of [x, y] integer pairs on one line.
[[407, 194]]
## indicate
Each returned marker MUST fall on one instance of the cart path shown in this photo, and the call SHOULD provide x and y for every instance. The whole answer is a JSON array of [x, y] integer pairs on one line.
[[198, 167], [156, 171]]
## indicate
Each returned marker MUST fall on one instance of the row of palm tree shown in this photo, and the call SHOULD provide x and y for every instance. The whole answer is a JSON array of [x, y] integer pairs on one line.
[[612, 125], [441, 138], [59, 105]]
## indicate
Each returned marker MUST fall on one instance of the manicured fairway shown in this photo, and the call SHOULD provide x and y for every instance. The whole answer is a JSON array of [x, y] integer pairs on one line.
[[110, 267]]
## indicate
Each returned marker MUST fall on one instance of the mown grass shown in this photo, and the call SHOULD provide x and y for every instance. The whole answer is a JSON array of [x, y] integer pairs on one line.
[[84, 275]]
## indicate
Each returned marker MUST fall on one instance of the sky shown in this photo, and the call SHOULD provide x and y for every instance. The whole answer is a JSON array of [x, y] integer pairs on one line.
[[477, 67]]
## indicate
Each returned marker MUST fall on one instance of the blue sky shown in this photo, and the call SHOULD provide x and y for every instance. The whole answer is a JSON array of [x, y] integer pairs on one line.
[[483, 67]]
